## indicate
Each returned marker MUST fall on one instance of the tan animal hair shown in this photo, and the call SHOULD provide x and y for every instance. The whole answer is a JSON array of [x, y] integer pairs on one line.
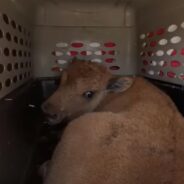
[[135, 135], [86, 70]]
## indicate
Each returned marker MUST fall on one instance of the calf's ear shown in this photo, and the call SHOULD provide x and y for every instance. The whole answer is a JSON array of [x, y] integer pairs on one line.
[[121, 84]]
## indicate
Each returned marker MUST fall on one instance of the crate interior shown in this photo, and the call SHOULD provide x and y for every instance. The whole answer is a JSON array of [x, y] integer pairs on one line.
[[38, 38]]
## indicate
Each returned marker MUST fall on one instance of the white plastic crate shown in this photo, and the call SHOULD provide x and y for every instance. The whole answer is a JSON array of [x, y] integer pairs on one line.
[[48, 34], [39, 37], [15, 49]]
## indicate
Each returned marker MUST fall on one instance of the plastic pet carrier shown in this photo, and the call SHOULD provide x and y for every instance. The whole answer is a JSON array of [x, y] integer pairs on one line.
[[38, 38]]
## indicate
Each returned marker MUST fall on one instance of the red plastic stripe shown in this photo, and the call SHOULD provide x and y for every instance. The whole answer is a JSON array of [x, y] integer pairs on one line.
[[84, 53], [171, 74], [77, 44], [161, 73], [103, 52], [150, 34], [160, 31], [145, 62], [175, 63], [114, 67], [109, 44], [112, 52], [174, 52], [73, 53], [153, 44], [109, 60]]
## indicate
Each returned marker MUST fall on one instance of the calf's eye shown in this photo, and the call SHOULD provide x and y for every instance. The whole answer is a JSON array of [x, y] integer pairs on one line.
[[88, 94]]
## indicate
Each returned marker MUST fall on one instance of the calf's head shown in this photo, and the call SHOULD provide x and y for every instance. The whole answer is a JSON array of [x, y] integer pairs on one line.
[[83, 86]]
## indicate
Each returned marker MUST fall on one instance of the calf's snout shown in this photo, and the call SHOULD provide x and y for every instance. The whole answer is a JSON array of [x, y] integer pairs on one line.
[[46, 106], [49, 110], [53, 114]]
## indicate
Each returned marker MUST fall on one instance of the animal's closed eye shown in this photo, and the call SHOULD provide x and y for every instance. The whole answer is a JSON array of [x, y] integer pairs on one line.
[[88, 94]]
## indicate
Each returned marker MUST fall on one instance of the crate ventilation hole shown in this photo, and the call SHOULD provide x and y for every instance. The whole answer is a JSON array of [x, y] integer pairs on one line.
[[161, 61], [96, 52], [16, 46]]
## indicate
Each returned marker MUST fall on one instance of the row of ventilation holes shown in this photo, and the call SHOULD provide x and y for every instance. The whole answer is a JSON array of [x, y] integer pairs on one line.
[[159, 53], [80, 44], [15, 25], [9, 67], [9, 81], [17, 40], [6, 52], [163, 42], [163, 63], [107, 60], [84, 53], [160, 73], [161, 31], [15, 53]]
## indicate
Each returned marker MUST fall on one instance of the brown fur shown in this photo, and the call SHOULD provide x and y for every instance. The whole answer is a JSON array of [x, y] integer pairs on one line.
[[80, 77], [134, 137]]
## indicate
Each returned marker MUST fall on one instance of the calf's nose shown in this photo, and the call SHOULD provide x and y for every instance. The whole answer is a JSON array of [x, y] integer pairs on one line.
[[45, 107]]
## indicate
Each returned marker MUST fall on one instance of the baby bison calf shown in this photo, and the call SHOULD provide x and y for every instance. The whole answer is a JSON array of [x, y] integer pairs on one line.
[[123, 130]]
